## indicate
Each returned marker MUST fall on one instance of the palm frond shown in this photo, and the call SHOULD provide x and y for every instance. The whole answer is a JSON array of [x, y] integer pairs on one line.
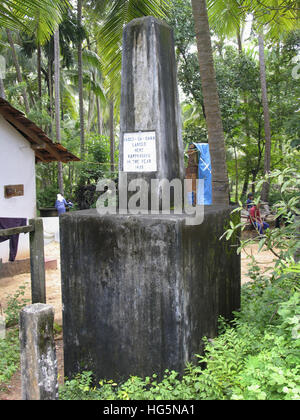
[[226, 17], [119, 14], [91, 60], [275, 16], [277, 19], [27, 15]]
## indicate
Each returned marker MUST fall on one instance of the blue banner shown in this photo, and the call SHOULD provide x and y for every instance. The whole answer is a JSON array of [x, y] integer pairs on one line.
[[204, 172]]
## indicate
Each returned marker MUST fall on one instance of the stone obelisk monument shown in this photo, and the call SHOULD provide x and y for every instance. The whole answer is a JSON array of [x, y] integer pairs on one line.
[[141, 290], [150, 123]]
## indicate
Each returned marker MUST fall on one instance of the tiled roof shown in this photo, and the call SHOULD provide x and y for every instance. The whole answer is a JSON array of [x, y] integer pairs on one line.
[[45, 149]]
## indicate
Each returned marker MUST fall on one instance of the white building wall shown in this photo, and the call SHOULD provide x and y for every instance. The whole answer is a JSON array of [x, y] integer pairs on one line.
[[17, 166]]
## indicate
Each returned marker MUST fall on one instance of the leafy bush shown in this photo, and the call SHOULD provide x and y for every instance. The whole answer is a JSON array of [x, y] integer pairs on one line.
[[9, 356], [9, 346], [46, 197], [274, 372], [14, 305]]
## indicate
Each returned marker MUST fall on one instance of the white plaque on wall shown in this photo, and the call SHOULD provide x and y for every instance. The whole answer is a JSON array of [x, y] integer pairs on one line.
[[139, 152]]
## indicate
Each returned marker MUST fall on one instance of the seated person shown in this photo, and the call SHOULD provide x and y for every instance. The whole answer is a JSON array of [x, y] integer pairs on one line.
[[69, 204], [249, 202], [257, 220]]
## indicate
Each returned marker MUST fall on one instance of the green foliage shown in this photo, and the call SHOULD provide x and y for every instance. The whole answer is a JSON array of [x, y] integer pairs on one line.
[[97, 160], [14, 304], [79, 388], [237, 74], [95, 166], [192, 130], [46, 197], [9, 356], [274, 372], [9, 346], [57, 328], [17, 14], [284, 243]]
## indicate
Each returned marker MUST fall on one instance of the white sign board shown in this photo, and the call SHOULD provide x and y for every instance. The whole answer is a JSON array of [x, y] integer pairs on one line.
[[139, 152]]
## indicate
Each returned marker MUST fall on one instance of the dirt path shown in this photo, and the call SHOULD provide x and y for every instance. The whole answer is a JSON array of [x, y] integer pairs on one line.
[[10, 285], [264, 259]]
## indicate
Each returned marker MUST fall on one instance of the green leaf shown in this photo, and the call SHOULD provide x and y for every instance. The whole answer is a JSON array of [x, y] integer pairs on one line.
[[261, 244]]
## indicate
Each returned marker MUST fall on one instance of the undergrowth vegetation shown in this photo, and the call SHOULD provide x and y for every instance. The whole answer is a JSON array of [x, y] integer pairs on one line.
[[9, 343], [9, 357]]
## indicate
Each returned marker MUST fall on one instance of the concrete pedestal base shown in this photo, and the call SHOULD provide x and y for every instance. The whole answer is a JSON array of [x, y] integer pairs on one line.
[[140, 292]]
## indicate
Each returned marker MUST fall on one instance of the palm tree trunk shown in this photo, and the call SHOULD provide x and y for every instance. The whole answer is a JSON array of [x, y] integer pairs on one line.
[[18, 70], [2, 91], [99, 118], [245, 186], [57, 104], [50, 91], [112, 135], [263, 82], [39, 72], [220, 184], [236, 175], [239, 40], [80, 80], [30, 93], [92, 100]]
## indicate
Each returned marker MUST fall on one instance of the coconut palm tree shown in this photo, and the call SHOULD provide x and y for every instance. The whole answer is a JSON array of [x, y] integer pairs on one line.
[[267, 125], [220, 185], [57, 104], [23, 15], [80, 77], [277, 21]]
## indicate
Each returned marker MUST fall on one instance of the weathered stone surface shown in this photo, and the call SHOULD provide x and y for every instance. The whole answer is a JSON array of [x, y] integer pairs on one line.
[[38, 355], [139, 292], [149, 96]]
